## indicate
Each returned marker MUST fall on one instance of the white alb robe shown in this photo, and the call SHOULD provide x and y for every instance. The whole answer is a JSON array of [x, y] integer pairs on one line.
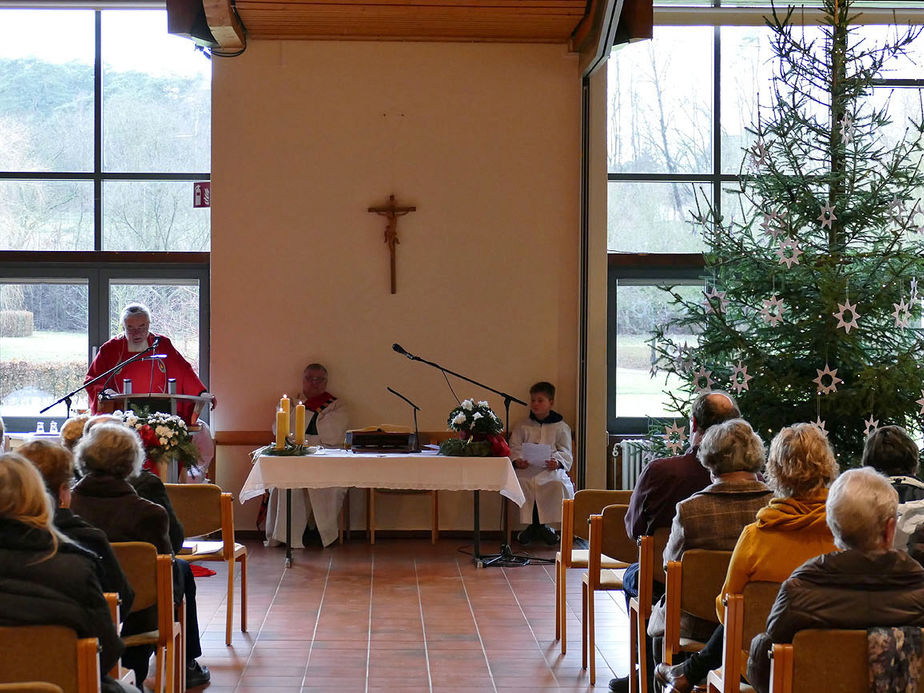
[[545, 487]]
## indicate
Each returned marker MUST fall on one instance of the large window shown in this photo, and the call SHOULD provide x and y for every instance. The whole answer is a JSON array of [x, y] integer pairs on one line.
[[678, 109], [105, 124]]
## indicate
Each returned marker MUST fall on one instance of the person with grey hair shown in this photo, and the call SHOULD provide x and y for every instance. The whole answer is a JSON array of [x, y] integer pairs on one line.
[[148, 374], [111, 454], [865, 585], [713, 518]]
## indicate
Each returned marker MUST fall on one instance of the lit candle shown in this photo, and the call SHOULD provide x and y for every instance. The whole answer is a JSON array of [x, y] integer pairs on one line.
[[299, 424], [282, 423], [285, 404]]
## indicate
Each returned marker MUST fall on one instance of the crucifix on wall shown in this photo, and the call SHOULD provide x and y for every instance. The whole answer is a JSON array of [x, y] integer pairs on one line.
[[391, 212]]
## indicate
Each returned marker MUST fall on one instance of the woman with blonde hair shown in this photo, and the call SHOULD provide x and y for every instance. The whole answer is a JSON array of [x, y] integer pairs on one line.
[[789, 531], [47, 579]]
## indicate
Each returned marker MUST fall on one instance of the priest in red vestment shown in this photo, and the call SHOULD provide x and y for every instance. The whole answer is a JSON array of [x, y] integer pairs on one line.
[[149, 373]]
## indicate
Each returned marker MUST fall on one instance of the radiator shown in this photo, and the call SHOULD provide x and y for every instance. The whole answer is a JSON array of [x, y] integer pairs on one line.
[[634, 456]]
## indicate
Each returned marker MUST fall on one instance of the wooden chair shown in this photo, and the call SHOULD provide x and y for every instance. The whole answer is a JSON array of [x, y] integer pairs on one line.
[[204, 509], [33, 655], [30, 687], [745, 616], [151, 577], [575, 518], [118, 672], [650, 569], [607, 538], [821, 661], [692, 585], [434, 494]]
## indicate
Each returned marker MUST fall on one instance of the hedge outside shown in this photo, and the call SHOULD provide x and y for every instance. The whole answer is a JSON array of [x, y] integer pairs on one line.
[[16, 323], [54, 377]]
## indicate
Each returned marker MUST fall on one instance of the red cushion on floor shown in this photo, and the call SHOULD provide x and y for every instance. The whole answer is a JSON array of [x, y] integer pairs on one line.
[[201, 571]]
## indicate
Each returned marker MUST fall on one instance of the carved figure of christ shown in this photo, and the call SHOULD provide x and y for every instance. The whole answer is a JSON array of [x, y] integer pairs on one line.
[[391, 212]]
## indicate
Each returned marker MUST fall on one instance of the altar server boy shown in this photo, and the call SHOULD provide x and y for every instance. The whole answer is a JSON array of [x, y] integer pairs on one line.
[[540, 448]]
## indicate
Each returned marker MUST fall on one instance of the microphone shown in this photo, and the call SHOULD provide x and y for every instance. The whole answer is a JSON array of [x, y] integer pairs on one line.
[[400, 350]]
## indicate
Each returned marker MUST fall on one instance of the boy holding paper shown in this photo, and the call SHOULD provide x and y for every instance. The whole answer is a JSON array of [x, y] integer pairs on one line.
[[540, 448]]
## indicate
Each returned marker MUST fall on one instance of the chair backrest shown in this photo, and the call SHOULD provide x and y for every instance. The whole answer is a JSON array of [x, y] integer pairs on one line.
[[616, 543], [703, 576], [830, 660], [30, 687], [52, 654], [197, 506], [591, 502], [151, 577], [758, 600]]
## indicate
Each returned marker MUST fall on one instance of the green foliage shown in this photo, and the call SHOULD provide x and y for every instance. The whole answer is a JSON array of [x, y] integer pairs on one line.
[[16, 323], [818, 145], [48, 376], [474, 417], [455, 447]]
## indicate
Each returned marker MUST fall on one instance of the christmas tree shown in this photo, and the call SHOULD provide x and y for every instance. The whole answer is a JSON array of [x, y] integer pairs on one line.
[[810, 307]]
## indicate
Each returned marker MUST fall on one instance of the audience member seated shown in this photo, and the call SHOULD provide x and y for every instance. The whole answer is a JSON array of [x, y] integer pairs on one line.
[[788, 532], [109, 454], [867, 584], [665, 482], [544, 487], [891, 451], [56, 465], [714, 517], [45, 579]]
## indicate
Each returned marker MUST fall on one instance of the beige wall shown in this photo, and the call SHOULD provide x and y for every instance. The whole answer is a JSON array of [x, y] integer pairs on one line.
[[483, 139]]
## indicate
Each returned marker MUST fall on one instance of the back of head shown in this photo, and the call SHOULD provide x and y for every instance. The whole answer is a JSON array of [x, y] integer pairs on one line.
[[860, 504], [712, 408], [731, 446], [543, 387], [72, 430], [22, 492], [891, 451], [800, 461], [110, 449], [54, 462]]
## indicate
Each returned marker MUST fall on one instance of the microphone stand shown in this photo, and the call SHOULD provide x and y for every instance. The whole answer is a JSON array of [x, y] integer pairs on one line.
[[67, 398], [416, 409], [506, 557]]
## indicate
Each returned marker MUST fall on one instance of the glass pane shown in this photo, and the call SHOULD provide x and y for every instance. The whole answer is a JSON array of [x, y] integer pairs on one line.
[[43, 345], [156, 96], [47, 215], [652, 217], [659, 103], [46, 90], [153, 215], [174, 306], [746, 76], [905, 107], [638, 310], [909, 66]]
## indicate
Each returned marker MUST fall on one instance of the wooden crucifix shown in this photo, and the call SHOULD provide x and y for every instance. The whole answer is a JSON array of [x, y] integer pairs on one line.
[[391, 212]]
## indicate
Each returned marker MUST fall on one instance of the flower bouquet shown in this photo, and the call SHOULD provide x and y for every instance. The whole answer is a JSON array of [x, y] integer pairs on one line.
[[480, 432], [165, 438]]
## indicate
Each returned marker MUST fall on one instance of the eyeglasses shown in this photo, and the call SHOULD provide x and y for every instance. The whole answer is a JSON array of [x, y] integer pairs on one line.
[[320, 379]]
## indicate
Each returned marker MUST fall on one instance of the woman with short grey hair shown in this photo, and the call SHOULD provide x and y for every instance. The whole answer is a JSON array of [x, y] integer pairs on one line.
[[110, 449], [731, 446]]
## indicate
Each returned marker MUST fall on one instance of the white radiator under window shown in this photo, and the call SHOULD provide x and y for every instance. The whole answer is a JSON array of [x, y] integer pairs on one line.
[[634, 456]]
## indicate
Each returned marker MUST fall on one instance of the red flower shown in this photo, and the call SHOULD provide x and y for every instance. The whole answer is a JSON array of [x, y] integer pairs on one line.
[[499, 447], [148, 436]]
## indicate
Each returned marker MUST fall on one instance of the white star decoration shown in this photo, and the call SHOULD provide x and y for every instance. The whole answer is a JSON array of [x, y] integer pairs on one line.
[[698, 376], [710, 305], [793, 247], [773, 224], [901, 314], [832, 387], [766, 312], [846, 307], [820, 425], [921, 402], [897, 209], [871, 425], [675, 436], [846, 124], [739, 385], [827, 215], [758, 154], [683, 362]]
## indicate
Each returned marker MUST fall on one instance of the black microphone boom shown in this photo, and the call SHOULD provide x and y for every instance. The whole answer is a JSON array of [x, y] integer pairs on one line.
[[400, 349]]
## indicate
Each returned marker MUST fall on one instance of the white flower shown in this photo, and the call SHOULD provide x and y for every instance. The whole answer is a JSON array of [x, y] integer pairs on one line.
[[163, 441], [484, 404], [467, 405], [459, 419], [477, 415]]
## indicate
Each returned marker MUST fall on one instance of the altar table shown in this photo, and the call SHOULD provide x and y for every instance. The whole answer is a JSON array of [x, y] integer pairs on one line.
[[424, 471]]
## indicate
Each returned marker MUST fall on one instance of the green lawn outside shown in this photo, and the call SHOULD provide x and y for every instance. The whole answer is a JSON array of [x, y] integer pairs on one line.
[[44, 346]]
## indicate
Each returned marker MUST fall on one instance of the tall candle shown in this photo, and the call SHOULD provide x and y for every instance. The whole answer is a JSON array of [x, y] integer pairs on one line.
[[299, 424], [284, 404], [282, 424]]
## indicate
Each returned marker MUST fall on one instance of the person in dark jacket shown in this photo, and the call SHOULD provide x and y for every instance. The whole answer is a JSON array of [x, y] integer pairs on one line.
[[56, 465], [45, 579], [109, 455], [867, 584]]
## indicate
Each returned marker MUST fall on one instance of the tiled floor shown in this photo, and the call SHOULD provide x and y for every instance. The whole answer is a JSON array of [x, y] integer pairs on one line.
[[402, 615]]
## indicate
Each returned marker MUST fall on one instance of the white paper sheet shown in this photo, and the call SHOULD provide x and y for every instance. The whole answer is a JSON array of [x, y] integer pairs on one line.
[[536, 454]]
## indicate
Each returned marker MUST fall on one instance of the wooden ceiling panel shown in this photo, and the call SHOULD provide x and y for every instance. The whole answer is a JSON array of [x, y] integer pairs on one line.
[[543, 21]]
